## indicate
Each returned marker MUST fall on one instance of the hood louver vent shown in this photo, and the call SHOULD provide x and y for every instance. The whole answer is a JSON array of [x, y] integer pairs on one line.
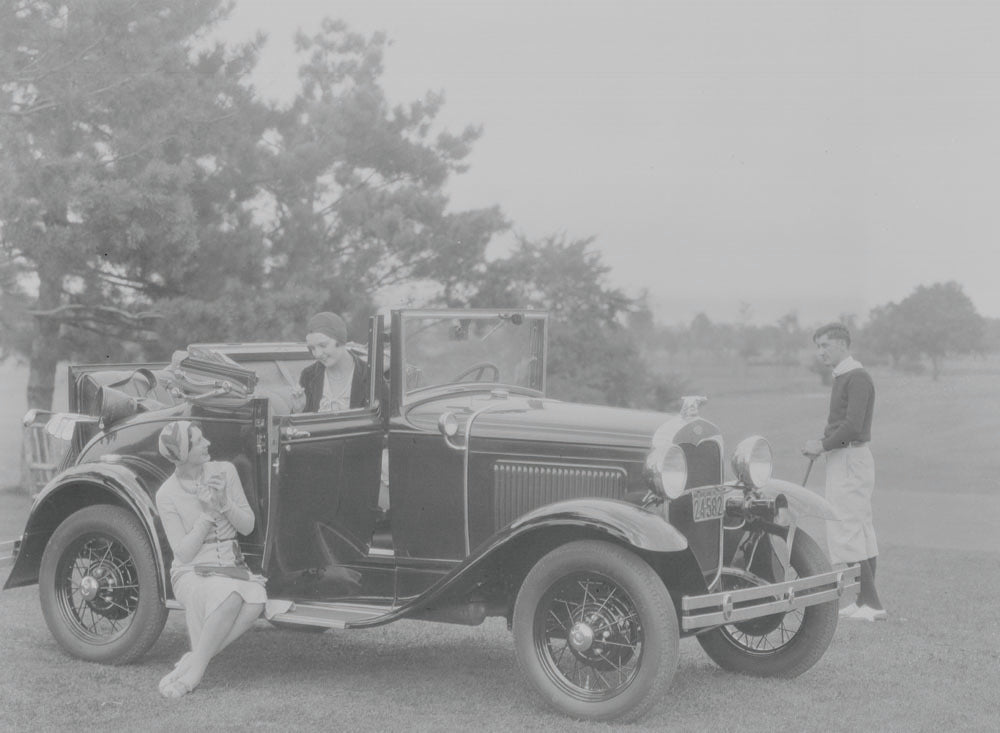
[[519, 487]]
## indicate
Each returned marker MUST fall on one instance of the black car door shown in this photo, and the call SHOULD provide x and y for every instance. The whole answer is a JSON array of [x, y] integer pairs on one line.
[[326, 469]]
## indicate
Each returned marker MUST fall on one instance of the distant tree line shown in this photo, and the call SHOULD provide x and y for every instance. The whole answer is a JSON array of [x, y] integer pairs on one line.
[[932, 323], [780, 342]]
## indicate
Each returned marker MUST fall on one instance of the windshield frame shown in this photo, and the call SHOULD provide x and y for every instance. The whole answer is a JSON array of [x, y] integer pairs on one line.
[[403, 319]]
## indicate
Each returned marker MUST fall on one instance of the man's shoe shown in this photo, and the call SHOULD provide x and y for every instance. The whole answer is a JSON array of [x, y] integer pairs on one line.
[[867, 613], [849, 610]]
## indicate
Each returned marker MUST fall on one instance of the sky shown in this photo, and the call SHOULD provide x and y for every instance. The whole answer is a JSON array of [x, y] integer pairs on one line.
[[814, 156]]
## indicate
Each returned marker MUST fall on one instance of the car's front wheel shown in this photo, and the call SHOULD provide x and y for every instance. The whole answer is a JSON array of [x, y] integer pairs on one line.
[[98, 586], [595, 632], [783, 644]]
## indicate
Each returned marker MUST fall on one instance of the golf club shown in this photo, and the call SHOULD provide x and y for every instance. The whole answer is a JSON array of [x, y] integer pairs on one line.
[[808, 469]]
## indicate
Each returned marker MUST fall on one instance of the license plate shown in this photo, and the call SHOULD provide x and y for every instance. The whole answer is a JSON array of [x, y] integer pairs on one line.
[[708, 504]]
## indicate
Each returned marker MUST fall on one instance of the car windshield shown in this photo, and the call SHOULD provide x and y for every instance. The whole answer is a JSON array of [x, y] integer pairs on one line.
[[449, 347]]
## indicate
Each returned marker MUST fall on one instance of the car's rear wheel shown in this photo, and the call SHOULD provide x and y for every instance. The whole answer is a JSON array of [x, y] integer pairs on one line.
[[779, 645], [595, 632], [98, 586]]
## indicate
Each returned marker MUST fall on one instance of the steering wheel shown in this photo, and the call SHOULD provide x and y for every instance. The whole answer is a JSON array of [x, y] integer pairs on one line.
[[479, 370]]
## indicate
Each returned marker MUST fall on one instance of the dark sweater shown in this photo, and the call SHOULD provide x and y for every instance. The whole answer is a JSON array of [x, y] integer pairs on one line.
[[313, 376], [852, 403]]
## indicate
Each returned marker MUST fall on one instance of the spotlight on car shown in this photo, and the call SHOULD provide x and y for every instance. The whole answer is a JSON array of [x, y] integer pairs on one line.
[[448, 424], [753, 462]]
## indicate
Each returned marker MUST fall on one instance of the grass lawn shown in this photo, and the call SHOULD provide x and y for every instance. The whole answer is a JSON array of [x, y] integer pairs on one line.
[[927, 436], [933, 666]]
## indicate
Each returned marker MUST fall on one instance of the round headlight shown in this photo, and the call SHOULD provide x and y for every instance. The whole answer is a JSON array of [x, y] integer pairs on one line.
[[448, 424], [670, 466], [752, 461]]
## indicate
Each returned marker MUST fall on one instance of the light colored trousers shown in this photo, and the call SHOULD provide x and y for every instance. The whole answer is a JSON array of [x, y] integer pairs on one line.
[[850, 480]]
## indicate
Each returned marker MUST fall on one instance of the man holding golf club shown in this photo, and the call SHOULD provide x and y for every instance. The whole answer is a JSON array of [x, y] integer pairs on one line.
[[850, 468]]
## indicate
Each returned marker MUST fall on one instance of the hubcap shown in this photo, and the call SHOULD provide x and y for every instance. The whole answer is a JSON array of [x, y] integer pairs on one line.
[[581, 636], [89, 587]]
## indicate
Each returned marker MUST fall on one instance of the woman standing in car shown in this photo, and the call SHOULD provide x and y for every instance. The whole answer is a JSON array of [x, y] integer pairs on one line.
[[337, 380]]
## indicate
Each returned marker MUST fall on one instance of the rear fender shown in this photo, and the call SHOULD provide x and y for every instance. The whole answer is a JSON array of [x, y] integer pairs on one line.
[[74, 489], [510, 553]]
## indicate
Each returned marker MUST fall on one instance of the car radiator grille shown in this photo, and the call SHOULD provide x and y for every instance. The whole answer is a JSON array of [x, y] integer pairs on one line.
[[704, 462], [519, 487]]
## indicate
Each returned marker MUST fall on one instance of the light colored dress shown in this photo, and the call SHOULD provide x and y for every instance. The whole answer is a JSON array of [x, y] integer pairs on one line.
[[180, 508]]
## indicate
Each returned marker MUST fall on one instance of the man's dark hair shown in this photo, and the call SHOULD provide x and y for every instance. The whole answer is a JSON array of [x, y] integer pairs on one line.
[[835, 331]]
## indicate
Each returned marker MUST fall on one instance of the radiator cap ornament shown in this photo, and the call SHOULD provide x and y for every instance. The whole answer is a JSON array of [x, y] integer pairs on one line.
[[690, 405]]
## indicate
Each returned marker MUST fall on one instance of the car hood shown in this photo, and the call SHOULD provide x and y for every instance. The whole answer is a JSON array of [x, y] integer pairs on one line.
[[567, 422]]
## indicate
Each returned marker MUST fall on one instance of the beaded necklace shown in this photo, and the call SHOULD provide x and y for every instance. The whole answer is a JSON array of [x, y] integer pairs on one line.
[[191, 485]]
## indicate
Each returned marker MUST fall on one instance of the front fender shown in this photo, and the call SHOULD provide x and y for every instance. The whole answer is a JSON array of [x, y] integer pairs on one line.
[[617, 521], [78, 487], [623, 522], [801, 501]]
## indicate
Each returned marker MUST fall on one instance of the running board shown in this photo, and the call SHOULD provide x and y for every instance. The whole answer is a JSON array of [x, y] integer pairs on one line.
[[330, 615]]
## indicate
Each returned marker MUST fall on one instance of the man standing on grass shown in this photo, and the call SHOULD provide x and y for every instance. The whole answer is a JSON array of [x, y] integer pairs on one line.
[[850, 468]]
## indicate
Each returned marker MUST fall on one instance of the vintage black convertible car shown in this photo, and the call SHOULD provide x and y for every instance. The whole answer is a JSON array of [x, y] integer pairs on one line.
[[458, 492]]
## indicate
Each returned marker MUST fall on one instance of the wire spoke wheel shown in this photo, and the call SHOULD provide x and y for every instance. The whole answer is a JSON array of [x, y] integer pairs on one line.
[[595, 631], [98, 594], [781, 644], [99, 588], [764, 635], [588, 636]]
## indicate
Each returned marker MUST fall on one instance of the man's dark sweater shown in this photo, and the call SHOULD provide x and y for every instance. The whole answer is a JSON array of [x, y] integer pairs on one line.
[[852, 403]]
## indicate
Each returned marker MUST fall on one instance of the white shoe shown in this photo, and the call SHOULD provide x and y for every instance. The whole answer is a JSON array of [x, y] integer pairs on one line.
[[849, 610], [867, 613]]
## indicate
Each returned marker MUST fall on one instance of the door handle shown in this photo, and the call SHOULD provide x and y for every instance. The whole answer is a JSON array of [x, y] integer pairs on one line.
[[291, 433]]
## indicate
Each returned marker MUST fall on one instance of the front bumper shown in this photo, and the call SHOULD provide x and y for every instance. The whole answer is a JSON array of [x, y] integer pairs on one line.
[[732, 606], [8, 552]]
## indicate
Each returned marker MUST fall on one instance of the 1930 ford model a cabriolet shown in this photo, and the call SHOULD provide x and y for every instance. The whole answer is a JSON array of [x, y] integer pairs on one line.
[[602, 534]]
